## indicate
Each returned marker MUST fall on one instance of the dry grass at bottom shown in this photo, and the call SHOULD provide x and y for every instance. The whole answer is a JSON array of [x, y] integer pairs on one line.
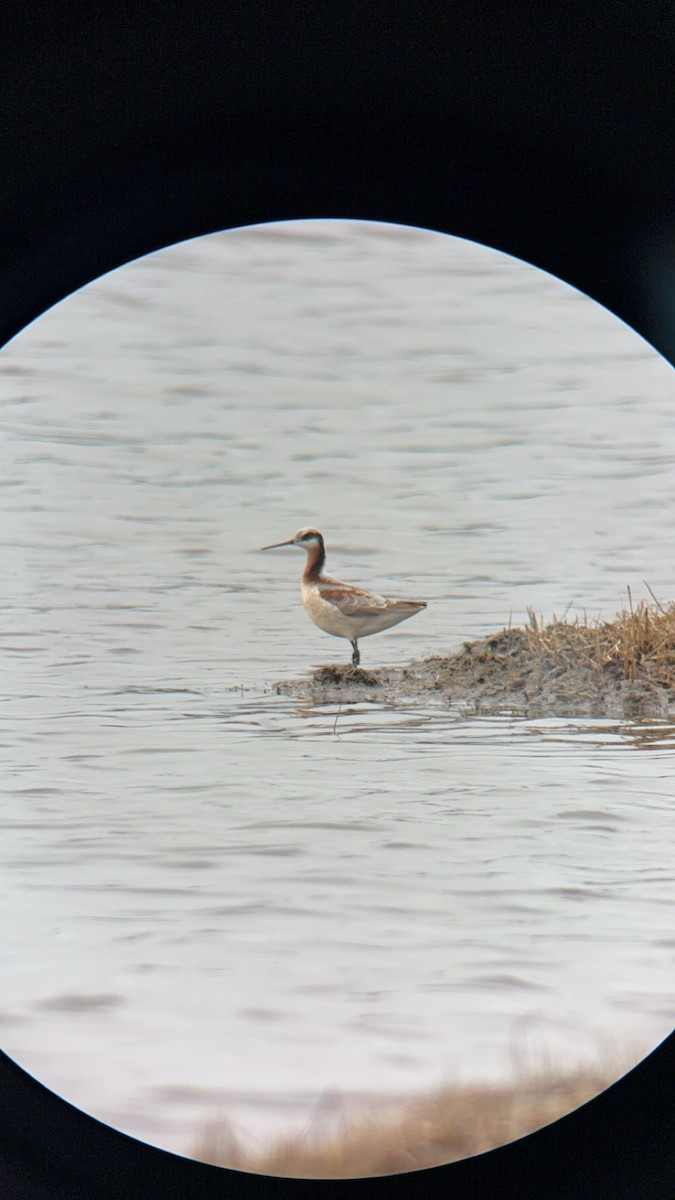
[[625, 666], [410, 1134], [639, 644]]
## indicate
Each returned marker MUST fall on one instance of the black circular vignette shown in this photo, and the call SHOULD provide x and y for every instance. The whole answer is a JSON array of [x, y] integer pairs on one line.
[[619, 1146], [537, 130]]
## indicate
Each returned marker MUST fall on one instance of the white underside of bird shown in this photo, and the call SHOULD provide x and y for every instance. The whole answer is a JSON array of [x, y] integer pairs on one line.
[[349, 612]]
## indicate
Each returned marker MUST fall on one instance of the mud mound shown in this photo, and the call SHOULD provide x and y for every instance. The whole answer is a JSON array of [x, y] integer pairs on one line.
[[619, 668]]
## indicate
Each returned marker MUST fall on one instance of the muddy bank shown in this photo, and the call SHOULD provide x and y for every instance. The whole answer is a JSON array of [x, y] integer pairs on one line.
[[533, 671]]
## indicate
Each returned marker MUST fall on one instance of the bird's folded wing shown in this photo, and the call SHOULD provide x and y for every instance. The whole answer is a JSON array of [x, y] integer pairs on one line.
[[353, 601]]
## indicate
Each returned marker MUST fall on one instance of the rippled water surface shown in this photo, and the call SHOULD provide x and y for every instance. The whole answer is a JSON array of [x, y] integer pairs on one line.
[[223, 899]]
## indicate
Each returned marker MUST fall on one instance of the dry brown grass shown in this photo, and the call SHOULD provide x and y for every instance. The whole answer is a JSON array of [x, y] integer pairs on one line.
[[638, 645], [409, 1134], [622, 667]]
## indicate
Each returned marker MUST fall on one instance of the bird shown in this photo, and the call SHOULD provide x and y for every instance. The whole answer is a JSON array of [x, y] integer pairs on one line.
[[342, 609]]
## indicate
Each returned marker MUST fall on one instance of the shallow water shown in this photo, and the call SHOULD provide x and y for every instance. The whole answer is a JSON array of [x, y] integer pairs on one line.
[[225, 899]]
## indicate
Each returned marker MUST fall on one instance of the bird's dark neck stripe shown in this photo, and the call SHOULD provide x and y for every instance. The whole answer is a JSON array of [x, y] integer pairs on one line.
[[316, 560]]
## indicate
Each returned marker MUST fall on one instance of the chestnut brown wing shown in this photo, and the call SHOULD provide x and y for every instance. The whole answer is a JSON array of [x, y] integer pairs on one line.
[[352, 601]]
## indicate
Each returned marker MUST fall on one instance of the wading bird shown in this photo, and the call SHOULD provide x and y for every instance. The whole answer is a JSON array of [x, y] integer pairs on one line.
[[340, 608]]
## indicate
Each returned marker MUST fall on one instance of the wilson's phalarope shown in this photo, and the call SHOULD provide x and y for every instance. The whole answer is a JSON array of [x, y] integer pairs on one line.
[[340, 608]]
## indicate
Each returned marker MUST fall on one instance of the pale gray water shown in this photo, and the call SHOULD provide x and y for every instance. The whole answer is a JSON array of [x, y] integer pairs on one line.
[[217, 897]]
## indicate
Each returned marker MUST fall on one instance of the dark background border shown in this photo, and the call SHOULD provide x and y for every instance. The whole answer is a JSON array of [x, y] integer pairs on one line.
[[543, 130]]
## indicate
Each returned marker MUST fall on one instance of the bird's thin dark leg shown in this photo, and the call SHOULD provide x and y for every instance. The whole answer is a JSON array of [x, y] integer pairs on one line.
[[356, 657]]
